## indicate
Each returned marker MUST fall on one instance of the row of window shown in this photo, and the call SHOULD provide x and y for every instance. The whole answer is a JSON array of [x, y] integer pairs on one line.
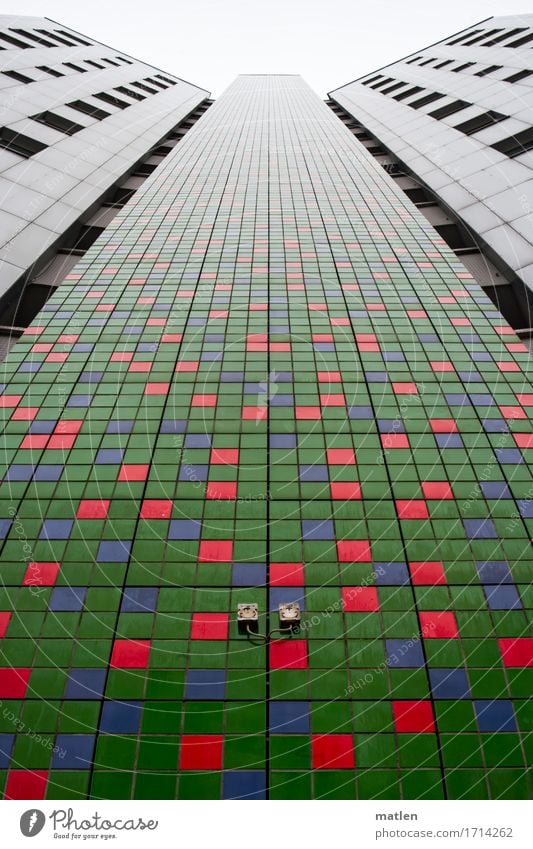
[[26, 146], [40, 38], [511, 146], [515, 77], [21, 77], [490, 37]]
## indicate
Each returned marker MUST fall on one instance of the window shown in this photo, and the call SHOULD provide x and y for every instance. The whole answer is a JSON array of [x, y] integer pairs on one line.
[[384, 81], [442, 64], [111, 62], [145, 88], [410, 61], [427, 62], [480, 122], [520, 41], [519, 75], [73, 37], [444, 111], [517, 144], [112, 100], [463, 67], [129, 93], [365, 82], [423, 101], [94, 64], [392, 88], [503, 37], [17, 143], [126, 61], [16, 42], [89, 109], [485, 34], [488, 70], [55, 37], [57, 122], [32, 37], [51, 71], [16, 75], [157, 83], [463, 36], [75, 67], [413, 90], [166, 79]]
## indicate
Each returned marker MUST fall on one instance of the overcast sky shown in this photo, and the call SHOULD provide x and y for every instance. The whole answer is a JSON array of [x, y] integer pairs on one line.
[[209, 42]]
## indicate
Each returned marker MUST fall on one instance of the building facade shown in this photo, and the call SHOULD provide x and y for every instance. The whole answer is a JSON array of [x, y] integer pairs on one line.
[[268, 382], [453, 123], [81, 127]]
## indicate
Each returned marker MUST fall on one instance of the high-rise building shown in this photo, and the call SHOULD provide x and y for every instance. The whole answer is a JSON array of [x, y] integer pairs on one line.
[[81, 127], [268, 382], [453, 124]]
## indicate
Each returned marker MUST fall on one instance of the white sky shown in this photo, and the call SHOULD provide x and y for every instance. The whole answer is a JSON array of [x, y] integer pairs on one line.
[[209, 42]]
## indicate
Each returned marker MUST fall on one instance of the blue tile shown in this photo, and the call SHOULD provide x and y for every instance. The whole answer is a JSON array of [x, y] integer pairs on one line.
[[205, 684], [110, 456], [73, 751], [494, 572], [404, 654], [193, 472], [314, 473], [85, 684], [495, 715], [449, 684], [67, 598], [120, 426], [391, 574], [139, 599], [173, 426], [480, 529], [248, 574], [185, 529], [56, 529], [502, 597], [197, 440], [282, 440], [48, 472], [121, 717], [114, 551], [6, 747], [448, 440], [19, 472], [525, 508], [289, 718], [495, 489], [509, 456], [42, 426], [315, 529], [285, 595], [244, 784]]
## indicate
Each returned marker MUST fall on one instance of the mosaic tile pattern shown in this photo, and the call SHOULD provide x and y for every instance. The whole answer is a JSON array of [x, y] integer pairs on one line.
[[268, 381]]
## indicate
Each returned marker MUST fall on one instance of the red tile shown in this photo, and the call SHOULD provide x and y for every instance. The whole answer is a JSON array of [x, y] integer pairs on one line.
[[25, 414], [5, 616], [209, 626], [221, 490], [142, 368], [394, 440], [428, 573], [405, 388], [354, 551], [513, 412], [201, 751], [517, 651], [439, 490], [345, 491], [216, 551], [340, 456], [329, 377], [443, 425], [524, 440], [288, 654], [224, 456], [62, 441], [130, 654], [360, 599], [199, 400], [414, 509], [287, 575], [40, 574], [307, 413], [187, 365], [92, 509], [172, 337], [155, 509], [156, 388], [438, 625], [14, 683], [332, 751], [256, 414], [23, 784], [331, 399], [413, 717], [133, 472], [68, 426], [34, 441], [441, 366]]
